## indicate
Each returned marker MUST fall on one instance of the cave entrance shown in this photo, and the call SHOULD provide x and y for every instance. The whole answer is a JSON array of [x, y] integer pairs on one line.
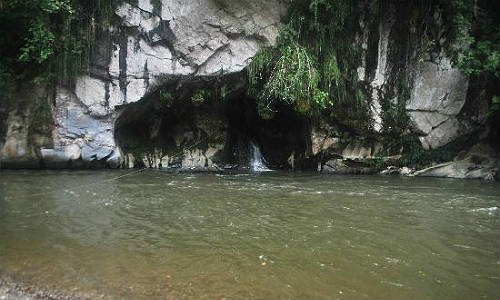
[[206, 125], [281, 139]]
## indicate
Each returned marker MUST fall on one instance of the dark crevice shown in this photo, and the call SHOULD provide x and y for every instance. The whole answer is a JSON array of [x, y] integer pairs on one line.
[[123, 64]]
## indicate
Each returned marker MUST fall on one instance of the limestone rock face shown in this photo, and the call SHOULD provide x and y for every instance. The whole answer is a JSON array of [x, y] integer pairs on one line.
[[399, 74], [321, 141], [79, 136], [16, 149], [439, 94], [178, 38], [181, 46], [154, 43], [360, 150], [27, 128]]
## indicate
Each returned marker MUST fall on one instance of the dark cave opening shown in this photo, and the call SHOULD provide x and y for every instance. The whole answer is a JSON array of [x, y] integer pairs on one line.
[[179, 126], [280, 138], [154, 126]]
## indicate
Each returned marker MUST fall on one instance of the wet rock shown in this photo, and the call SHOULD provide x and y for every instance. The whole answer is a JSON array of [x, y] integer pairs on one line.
[[391, 170], [383, 64], [194, 160], [10, 290], [480, 162], [405, 171], [360, 150], [321, 140], [28, 127], [394, 170], [61, 157], [348, 166], [17, 152], [79, 136]]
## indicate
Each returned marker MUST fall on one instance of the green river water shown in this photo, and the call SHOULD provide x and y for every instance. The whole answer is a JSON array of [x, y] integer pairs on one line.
[[273, 235]]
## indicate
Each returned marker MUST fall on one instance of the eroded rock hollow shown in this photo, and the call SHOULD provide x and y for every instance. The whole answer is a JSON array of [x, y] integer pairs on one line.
[[206, 124]]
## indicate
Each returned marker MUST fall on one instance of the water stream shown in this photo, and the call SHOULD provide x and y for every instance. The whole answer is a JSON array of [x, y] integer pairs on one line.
[[271, 235], [257, 162]]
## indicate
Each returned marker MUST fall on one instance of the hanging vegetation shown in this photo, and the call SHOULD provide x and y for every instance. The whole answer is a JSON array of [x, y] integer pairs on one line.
[[46, 39], [305, 71]]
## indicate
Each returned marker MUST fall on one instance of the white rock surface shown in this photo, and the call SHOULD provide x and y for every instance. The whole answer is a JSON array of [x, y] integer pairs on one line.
[[197, 38], [438, 96], [78, 135], [204, 38], [379, 80], [151, 46]]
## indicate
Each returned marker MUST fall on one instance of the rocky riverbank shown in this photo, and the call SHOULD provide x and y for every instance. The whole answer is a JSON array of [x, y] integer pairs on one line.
[[11, 289], [478, 162]]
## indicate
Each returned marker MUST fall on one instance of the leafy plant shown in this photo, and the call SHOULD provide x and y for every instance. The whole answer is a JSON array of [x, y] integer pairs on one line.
[[40, 45], [495, 105], [199, 96], [294, 80], [53, 36], [312, 69], [474, 35], [415, 155]]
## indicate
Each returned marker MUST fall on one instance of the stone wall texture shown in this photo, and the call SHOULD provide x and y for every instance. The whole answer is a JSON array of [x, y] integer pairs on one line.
[[156, 43]]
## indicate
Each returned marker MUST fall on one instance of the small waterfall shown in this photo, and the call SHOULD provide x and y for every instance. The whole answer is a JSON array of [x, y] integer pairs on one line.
[[257, 163]]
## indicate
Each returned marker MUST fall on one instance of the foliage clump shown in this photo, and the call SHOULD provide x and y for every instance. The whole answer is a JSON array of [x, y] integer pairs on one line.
[[311, 69], [414, 155], [199, 96], [48, 38], [293, 79], [474, 44], [474, 35]]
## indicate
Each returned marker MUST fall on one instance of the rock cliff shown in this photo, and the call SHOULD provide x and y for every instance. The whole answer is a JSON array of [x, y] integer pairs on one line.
[[154, 43], [147, 96]]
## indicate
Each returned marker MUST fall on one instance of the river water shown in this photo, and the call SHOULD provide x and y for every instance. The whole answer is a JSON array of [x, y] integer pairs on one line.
[[156, 235]]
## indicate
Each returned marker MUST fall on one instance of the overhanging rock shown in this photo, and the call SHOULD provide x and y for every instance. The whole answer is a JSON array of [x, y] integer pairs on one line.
[[155, 43]]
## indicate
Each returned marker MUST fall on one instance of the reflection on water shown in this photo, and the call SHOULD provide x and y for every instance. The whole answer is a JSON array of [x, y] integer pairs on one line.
[[251, 236]]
